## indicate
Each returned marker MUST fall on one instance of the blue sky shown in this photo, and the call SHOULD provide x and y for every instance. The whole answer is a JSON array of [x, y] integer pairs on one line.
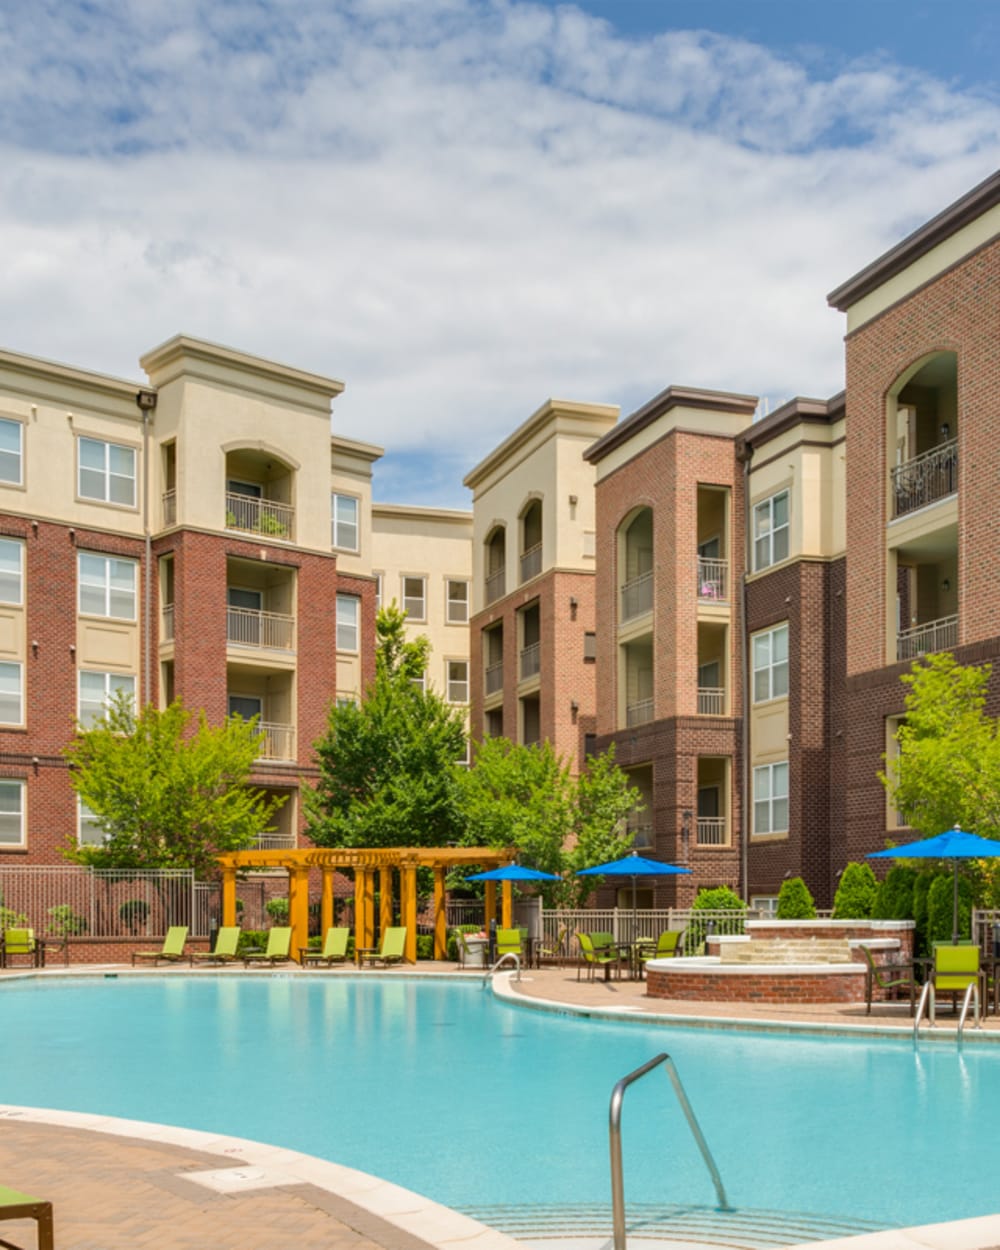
[[463, 207]]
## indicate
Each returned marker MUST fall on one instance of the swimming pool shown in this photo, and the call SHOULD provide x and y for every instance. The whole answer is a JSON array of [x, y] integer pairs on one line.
[[482, 1105]]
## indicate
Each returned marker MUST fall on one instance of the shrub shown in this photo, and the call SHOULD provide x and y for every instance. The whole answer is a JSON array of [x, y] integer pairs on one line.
[[855, 898], [721, 898], [425, 945], [134, 912], [794, 901], [277, 909], [921, 889], [894, 896], [251, 939], [941, 908], [65, 922]]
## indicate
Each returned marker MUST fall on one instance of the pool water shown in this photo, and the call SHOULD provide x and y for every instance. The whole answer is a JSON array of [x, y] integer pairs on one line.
[[479, 1104]]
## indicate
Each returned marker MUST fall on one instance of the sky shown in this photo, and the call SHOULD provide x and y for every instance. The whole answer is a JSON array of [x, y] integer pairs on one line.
[[462, 208]]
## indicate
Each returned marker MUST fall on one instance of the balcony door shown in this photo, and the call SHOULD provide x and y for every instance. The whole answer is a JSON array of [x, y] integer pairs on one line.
[[245, 706]]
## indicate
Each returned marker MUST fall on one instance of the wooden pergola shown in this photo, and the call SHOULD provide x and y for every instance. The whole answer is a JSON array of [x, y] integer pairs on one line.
[[367, 863]]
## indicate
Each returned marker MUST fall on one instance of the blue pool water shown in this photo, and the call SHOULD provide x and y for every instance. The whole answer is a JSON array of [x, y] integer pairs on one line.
[[443, 1089]]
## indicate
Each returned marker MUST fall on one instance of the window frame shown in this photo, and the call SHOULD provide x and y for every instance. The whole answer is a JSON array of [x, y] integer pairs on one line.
[[771, 667], [6, 539], [355, 602], [107, 675], [449, 681], [449, 601], [772, 797], [84, 816], [107, 560], [21, 785], [19, 426], [108, 474], [337, 496], [772, 530], [414, 577]]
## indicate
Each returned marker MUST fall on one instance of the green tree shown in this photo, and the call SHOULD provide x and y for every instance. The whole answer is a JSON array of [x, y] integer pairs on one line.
[[387, 765], [794, 901], [855, 897], [167, 797], [947, 771], [941, 908], [894, 897]]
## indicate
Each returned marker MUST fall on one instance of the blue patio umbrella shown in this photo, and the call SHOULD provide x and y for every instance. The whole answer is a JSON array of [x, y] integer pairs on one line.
[[954, 844], [513, 872], [635, 866]]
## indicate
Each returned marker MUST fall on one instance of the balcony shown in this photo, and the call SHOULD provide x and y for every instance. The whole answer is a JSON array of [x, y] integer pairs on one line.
[[940, 635], [169, 503], [713, 580], [637, 597], [531, 562], [495, 584], [275, 842], [167, 623], [278, 741], [249, 627], [267, 517], [494, 677], [711, 701], [925, 479], [711, 831], [642, 831], [531, 660], [640, 713]]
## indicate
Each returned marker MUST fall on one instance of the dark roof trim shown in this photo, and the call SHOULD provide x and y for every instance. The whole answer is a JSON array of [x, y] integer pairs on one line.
[[798, 411], [972, 205], [672, 397]]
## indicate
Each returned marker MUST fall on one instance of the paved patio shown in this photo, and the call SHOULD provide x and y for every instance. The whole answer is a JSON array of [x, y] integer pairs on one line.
[[114, 1186]]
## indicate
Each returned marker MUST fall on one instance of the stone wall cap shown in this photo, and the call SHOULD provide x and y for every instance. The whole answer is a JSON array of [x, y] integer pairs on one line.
[[884, 926], [711, 965]]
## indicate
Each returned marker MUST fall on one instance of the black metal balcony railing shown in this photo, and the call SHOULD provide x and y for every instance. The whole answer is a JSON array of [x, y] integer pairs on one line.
[[638, 713], [939, 635], [531, 562], [711, 701], [637, 597], [268, 517], [249, 627], [931, 476], [494, 677], [713, 579], [711, 831], [496, 583], [531, 660]]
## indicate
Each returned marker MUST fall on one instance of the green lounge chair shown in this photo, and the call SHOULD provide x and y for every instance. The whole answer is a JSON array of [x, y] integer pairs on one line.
[[334, 949], [593, 956], [887, 978], [393, 948], [172, 951], [19, 942], [279, 948], [227, 941], [17, 1206]]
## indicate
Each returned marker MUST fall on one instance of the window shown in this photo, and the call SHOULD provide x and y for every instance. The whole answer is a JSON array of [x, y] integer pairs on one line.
[[770, 798], [11, 695], [770, 664], [11, 434], [11, 571], [347, 622], [766, 905], [11, 813], [344, 522], [458, 680], [107, 586], [378, 591], [770, 531], [107, 472], [590, 645], [88, 829], [96, 691], [419, 683], [415, 598], [458, 602]]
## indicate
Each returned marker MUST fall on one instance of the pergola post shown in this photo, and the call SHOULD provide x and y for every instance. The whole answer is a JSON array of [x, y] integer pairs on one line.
[[229, 896], [490, 902], [507, 905], [298, 908], [408, 908], [326, 900], [384, 899], [363, 928], [440, 915]]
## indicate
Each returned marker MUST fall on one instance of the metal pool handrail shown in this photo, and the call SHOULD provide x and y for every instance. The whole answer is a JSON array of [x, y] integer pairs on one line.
[[503, 959], [615, 1136]]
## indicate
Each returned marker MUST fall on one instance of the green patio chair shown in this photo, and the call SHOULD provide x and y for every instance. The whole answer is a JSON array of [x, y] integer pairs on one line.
[[279, 948], [19, 942], [510, 942], [393, 948], [17, 1206], [227, 941], [172, 951], [556, 951], [955, 969], [334, 950], [669, 945], [887, 978], [593, 957]]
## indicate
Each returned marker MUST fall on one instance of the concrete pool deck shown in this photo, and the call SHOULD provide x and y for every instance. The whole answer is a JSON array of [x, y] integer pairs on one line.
[[117, 1184]]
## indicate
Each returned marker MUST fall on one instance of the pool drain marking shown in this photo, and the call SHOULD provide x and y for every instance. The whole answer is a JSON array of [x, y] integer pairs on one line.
[[238, 1180]]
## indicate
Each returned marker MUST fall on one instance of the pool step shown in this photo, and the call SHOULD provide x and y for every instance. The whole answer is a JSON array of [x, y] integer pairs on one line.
[[744, 1229]]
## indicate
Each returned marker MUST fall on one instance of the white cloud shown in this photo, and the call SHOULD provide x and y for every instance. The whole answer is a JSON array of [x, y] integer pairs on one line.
[[458, 207]]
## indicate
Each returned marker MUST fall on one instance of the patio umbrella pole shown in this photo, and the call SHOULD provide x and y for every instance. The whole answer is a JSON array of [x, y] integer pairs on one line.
[[954, 905]]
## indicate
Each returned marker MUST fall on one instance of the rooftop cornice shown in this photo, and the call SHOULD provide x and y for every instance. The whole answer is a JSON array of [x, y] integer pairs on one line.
[[550, 412], [798, 411], [202, 352], [659, 405]]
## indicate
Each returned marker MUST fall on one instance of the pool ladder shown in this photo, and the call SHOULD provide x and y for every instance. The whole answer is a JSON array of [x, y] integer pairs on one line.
[[615, 1136], [508, 955], [927, 1001]]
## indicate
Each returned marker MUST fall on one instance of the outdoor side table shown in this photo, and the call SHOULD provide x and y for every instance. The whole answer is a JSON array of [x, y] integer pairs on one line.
[[17, 1206]]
